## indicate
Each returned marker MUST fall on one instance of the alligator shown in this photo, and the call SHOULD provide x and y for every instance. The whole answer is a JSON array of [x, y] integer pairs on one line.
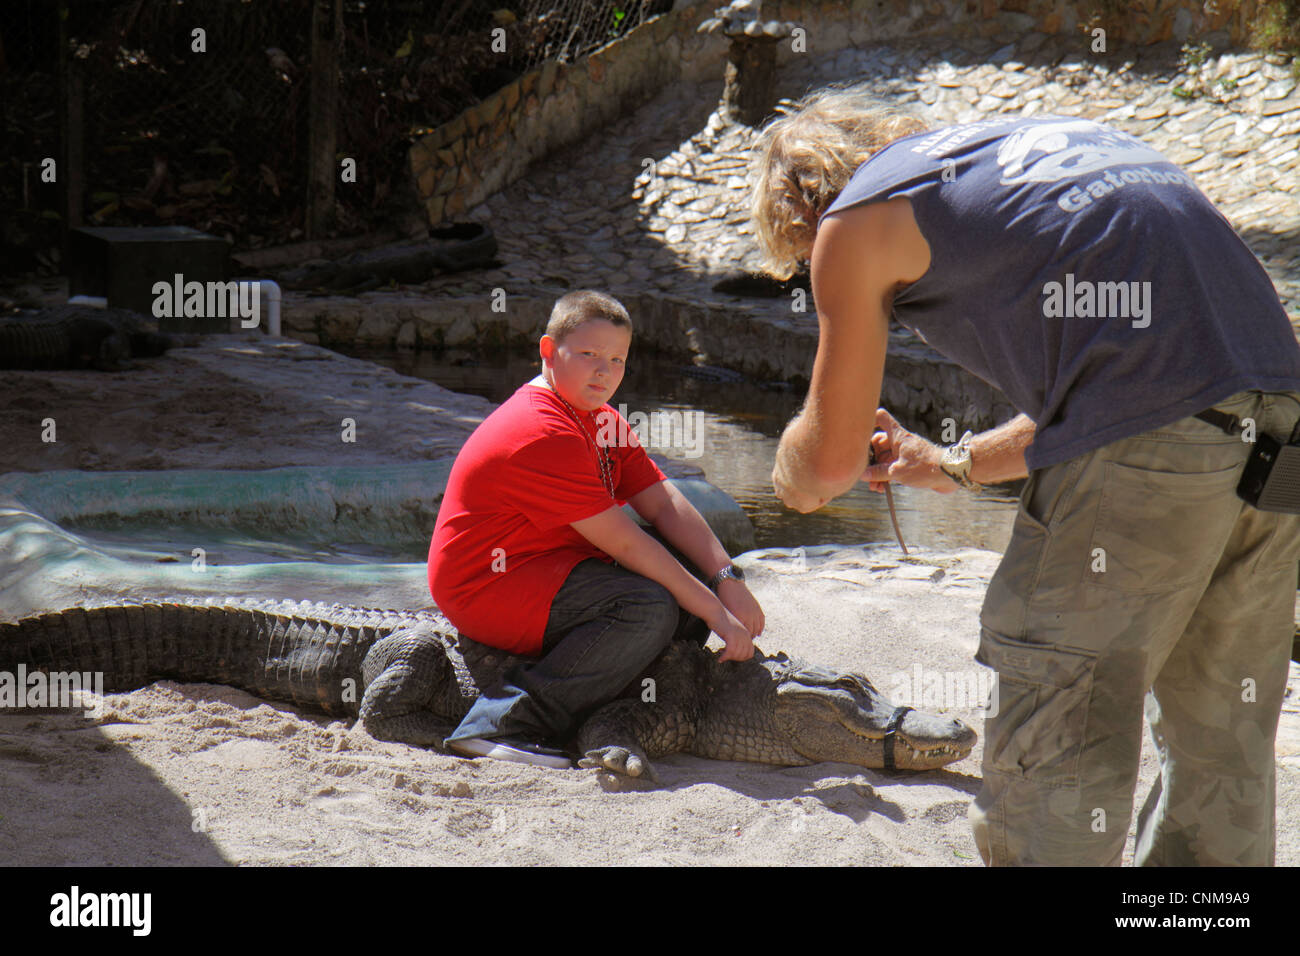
[[410, 678], [759, 285], [714, 374], [717, 375], [452, 248], [79, 337]]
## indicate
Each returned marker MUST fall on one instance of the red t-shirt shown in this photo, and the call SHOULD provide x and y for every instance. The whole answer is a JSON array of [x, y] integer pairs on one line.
[[502, 545]]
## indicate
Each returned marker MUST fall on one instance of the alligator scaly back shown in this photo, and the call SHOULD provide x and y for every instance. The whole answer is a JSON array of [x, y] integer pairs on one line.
[[411, 679], [307, 654]]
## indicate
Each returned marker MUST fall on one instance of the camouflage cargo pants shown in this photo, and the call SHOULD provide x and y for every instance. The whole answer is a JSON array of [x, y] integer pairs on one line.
[[1136, 580]]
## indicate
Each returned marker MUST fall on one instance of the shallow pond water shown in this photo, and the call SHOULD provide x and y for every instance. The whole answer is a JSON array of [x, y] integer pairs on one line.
[[731, 431]]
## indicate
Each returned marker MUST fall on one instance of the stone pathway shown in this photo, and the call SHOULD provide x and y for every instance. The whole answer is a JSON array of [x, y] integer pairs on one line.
[[595, 216]]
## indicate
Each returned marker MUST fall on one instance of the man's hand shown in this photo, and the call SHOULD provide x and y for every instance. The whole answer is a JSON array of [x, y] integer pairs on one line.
[[905, 458], [791, 496], [737, 599], [740, 646]]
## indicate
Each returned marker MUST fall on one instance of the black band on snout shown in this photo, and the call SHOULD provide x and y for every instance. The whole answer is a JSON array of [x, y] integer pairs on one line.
[[891, 735]]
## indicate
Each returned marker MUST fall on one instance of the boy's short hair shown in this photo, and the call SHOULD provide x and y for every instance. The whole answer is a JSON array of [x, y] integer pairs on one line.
[[583, 305]]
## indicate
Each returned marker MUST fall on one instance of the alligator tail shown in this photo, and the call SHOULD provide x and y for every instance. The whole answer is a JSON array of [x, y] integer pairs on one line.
[[307, 661]]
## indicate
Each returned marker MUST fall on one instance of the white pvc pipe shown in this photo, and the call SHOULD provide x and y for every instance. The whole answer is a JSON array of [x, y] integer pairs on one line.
[[272, 290], [273, 299]]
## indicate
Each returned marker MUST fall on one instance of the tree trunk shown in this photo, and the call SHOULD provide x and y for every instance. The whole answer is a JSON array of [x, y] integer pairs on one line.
[[71, 161], [323, 171], [750, 89]]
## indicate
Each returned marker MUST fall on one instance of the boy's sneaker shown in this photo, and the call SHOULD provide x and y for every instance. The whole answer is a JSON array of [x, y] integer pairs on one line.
[[514, 749]]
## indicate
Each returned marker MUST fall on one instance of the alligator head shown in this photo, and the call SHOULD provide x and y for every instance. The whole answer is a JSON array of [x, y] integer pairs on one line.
[[815, 714], [842, 717]]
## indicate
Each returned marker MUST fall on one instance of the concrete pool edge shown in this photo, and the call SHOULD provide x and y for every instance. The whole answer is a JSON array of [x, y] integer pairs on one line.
[[48, 523]]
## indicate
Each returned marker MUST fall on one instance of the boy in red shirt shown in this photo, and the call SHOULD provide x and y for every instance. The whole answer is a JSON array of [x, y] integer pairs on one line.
[[532, 554]]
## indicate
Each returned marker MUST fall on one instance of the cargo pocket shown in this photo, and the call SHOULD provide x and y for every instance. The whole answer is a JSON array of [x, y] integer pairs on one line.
[[1037, 730], [1049, 493], [1160, 531]]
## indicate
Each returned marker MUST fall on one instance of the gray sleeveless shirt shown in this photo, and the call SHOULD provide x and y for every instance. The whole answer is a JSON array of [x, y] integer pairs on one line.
[[1083, 274]]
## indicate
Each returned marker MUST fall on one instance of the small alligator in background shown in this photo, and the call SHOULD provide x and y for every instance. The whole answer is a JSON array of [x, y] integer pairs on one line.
[[410, 679], [760, 286], [717, 375], [714, 374], [80, 337], [453, 248]]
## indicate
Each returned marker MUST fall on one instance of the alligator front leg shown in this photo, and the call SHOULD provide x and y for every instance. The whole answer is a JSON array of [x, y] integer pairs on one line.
[[609, 740], [400, 674], [660, 718]]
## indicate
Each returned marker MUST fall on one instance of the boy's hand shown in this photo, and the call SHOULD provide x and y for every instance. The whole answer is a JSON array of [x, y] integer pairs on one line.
[[737, 599], [740, 646]]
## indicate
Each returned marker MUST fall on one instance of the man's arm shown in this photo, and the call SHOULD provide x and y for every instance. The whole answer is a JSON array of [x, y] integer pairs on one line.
[[904, 457], [999, 454], [859, 259]]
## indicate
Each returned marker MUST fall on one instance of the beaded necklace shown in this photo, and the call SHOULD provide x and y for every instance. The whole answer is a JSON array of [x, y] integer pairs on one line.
[[602, 454]]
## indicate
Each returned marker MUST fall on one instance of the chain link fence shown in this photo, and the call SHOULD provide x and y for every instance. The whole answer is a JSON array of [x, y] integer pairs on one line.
[[195, 112]]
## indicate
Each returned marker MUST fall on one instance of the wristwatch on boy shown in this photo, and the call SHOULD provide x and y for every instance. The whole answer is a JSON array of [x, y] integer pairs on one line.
[[956, 463], [730, 571]]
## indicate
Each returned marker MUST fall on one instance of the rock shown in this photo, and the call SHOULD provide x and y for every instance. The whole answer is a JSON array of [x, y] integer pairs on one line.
[[406, 336]]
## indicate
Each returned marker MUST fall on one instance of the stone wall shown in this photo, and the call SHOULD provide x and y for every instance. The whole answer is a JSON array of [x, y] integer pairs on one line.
[[920, 385], [832, 26], [489, 146]]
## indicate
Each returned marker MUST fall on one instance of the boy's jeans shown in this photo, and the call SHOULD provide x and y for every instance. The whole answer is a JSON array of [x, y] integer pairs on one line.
[[606, 625], [1137, 581]]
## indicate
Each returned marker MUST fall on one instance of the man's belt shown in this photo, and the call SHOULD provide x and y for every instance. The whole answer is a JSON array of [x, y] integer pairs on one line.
[[1229, 423]]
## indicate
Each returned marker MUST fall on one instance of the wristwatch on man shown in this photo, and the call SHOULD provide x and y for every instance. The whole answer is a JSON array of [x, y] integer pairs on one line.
[[956, 463], [730, 571]]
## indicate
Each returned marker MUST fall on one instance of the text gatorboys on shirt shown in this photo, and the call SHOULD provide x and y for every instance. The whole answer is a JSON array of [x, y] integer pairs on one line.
[[1079, 149]]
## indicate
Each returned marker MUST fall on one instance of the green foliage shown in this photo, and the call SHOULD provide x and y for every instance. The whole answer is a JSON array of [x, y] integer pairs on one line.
[[1191, 56], [1274, 26], [1277, 27]]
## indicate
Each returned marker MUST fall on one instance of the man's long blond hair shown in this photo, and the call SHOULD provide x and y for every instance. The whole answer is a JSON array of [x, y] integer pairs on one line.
[[801, 161]]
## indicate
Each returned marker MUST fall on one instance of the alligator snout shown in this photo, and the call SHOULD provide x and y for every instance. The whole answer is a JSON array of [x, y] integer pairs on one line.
[[842, 717]]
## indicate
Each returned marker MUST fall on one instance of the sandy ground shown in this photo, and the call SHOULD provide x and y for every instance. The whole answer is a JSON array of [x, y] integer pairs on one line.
[[203, 774], [265, 783]]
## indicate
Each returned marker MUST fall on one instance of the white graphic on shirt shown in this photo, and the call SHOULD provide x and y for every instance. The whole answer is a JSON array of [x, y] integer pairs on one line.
[[1066, 150], [947, 140]]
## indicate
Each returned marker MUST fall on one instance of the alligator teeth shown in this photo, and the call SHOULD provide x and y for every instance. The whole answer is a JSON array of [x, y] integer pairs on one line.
[[931, 751]]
